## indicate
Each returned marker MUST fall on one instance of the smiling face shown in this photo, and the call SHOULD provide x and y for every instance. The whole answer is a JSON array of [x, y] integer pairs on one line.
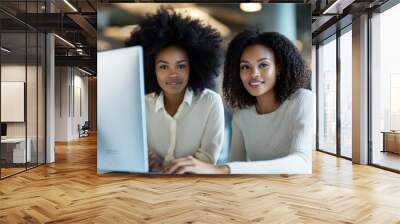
[[172, 70], [258, 70]]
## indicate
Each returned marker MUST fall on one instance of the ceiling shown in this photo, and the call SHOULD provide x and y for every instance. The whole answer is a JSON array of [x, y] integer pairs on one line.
[[330, 16], [78, 24], [73, 20]]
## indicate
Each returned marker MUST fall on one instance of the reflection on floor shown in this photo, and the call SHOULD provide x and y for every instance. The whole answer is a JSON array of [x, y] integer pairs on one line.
[[11, 169], [387, 159]]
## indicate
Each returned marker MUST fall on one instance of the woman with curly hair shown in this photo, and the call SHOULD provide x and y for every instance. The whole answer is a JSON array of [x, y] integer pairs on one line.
[[182, 58], [266, 82]]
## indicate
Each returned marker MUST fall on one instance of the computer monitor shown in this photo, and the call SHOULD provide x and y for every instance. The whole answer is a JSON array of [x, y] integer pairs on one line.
[[3, 130], [121, 134]]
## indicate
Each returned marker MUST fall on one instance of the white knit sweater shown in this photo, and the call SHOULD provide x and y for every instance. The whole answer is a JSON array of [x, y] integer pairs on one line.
[[279, 142]]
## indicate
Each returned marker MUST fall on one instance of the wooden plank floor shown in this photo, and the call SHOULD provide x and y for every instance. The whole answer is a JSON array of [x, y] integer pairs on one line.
[[70, 191], [10, 171]]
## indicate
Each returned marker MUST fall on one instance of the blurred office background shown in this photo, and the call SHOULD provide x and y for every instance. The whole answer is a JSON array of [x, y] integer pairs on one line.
[[116, 21]]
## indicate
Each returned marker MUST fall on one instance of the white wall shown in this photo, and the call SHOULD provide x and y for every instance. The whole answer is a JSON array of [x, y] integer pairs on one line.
[[9, 73], [12, 73], [71, 93], [62, 81]]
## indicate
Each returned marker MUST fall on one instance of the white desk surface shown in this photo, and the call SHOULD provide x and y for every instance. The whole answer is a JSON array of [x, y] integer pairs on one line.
[[19, 152], [13, 140]]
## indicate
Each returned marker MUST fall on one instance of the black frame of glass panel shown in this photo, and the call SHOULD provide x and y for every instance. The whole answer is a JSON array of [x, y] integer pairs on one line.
[[0, 94], [369, 90], [317, 97], [44, 80], [338, 96]]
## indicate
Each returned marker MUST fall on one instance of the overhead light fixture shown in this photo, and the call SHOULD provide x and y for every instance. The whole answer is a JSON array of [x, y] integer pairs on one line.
[[103, 45], [299, 45], [250, 7], [203, 15], [70, 5], [120, 33], [5, 50], [65, 41], [79, 44], [328, 10], [80, 51], [337, 7], [84, 71]]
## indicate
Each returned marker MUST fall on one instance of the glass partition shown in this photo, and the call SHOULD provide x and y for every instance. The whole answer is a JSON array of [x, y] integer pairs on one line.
[[346, 94], [13, 108], [22, 88]]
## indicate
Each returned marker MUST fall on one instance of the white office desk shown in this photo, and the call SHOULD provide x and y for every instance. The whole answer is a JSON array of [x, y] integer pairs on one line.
[[19, 149]]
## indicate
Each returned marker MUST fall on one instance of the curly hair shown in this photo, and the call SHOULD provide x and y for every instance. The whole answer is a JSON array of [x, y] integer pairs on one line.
[[293, 72], [202, 43]]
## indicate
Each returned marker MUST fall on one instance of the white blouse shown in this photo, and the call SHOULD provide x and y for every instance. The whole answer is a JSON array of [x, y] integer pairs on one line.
[[196, 129], [279, 142]]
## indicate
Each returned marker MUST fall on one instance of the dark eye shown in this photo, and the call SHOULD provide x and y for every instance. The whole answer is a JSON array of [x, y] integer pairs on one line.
[[263, 65], [181, 66], [244, 67], [163, 67]]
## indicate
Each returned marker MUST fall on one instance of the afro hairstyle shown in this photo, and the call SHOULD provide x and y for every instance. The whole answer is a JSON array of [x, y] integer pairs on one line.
[[293, 72], [166, 28]]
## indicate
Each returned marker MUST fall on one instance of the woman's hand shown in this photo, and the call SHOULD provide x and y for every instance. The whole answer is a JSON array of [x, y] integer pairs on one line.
[[154, 161], [192, 165]]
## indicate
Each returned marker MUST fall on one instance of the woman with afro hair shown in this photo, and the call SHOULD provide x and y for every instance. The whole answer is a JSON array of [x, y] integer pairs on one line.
[[266, 82], [185, 119]]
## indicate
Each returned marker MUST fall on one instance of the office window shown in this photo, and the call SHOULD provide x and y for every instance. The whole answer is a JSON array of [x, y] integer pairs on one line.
[[385, 88], [327, 96], [346, 94]]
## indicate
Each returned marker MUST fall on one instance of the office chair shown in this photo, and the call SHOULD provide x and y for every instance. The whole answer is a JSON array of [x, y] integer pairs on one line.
[[84, 130]]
